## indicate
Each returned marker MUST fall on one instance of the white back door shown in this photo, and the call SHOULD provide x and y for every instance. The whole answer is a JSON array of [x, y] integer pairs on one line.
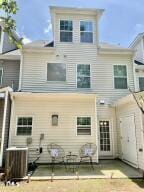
[[128, 139]]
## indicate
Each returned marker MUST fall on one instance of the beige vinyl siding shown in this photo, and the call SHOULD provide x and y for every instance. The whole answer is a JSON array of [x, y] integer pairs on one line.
[[126, 110], [10, 73], [34, 75], [41, 109], [139, 48]]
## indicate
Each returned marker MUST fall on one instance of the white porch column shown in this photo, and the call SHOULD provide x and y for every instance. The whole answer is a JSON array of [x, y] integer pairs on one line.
[[3, 127]]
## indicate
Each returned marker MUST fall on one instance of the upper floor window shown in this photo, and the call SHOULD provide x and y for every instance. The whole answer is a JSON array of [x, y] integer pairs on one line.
[[56, 72], [24, 126], [66, 31], [141, 83], [1, 75], [86, 31], [120, 77], [83, 76]]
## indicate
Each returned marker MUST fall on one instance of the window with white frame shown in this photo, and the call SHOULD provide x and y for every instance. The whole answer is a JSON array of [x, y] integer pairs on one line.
[[120, 77], [66, 31], [83, 76], [83, 125], [86, 31], [1, 75], [141, 83], [56, 72], [24, 126]]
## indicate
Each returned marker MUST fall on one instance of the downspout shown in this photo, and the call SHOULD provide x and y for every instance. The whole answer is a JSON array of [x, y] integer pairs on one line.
[[3, 127], [20, 73], [97, 132]]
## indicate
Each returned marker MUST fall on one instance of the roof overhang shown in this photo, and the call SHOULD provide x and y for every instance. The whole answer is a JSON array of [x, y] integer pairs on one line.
[[116, 51], [28, 95], [11, 55], [39, 49], [69, 10], [124, 100]]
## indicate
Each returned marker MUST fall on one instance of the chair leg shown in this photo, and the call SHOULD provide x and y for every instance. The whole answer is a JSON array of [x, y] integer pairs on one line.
[[79, 163], [53, 164], [91, 162]]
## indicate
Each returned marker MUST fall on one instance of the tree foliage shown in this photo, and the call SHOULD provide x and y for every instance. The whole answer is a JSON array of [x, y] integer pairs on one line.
[[8, 9]]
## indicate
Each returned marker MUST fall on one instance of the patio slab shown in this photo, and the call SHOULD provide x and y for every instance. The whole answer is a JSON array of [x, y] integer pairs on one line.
[[105, 169]]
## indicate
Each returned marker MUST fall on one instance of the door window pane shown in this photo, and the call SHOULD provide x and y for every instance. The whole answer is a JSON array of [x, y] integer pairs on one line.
[[104, 135]]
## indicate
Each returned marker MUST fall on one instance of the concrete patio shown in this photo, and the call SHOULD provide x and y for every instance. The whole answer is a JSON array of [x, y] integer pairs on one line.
[[105, 169]]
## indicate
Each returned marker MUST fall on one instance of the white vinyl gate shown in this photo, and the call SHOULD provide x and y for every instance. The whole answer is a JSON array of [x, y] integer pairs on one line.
[[128, 140]]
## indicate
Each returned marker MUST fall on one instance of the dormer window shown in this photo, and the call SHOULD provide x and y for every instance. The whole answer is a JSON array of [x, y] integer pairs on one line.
[[86, 31], [66, 31]]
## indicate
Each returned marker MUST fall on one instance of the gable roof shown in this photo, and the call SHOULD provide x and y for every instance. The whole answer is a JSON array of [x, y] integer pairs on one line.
[[138, 62], [137, 38]]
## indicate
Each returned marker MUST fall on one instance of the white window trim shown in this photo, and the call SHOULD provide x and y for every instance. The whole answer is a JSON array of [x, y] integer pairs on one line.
[[24, 116], [91, 126], [114, 76], [86, 31], [90, 76], [66, 31], [60, 82], [1, 79]]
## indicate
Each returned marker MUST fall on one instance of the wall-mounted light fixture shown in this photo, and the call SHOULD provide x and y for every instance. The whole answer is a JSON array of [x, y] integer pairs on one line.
[[54, 120]]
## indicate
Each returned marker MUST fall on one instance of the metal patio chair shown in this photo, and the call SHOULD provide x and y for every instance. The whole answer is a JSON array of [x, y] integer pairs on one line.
[[57, 154], [86, 153]]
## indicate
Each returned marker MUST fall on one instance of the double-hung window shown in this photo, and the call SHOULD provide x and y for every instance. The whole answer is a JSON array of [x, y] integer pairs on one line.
[[120, 77], [141, 83], [83, 76], [83, 125], [24, 126], [66, 31], [86, 31], [1, 75], [56, 72]]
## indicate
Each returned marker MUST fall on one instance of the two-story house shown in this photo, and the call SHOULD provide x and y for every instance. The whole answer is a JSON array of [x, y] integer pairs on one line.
[[9, 81], [68, 88]]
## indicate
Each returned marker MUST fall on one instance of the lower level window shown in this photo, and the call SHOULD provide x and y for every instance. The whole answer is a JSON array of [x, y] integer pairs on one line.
[[83, 125], [141, 83], [1, 75], [24, 126]]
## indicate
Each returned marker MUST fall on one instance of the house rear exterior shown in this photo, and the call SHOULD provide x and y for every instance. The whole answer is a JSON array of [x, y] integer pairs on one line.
[[9, 81], [69, 91]]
